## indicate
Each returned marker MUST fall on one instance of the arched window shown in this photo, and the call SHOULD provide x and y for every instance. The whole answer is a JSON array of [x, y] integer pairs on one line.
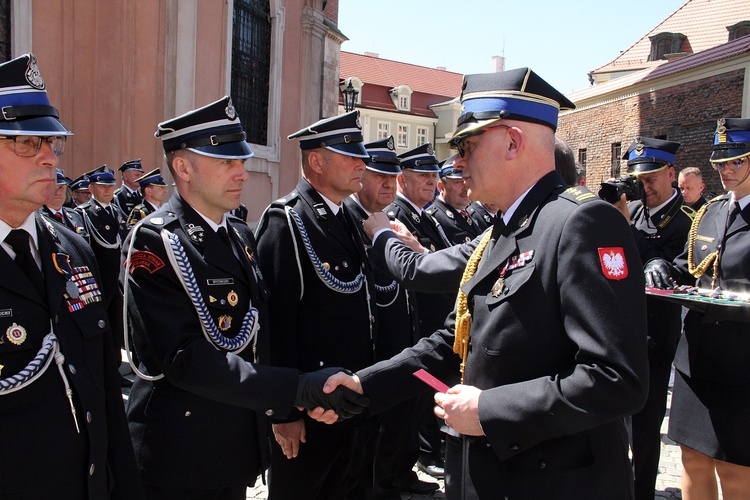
[[5, 47], [739, 30], [251, 66], [665, 43]]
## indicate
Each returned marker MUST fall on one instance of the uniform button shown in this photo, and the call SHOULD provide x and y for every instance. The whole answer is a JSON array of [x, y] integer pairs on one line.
[[101, 323], [322, 364], [56, 319], [269, 412], [345, 264], [336, 268], [91, 470], [88, 416], [72, 369], [514, 447], [542, 465], [188, 413]]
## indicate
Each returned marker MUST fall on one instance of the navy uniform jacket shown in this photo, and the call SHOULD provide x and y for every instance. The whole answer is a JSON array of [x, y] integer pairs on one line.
[[41, 455], [432, 307], [140, 211], [716, 344], [70, 219], [196, 427], [312, 325], [560, 353], [481, 216], [457, 228], [671, 224], [126, 200], [396, 306], [103, 228]]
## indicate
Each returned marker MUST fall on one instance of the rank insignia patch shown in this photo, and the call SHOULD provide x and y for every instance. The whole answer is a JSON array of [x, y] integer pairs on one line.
[[613, 263]]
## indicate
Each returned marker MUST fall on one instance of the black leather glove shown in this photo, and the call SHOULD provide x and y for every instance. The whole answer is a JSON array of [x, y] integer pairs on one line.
[[345, 402], [658, 274]]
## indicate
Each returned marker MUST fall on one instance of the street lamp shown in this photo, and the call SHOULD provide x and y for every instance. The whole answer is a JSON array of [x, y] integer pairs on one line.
[[350, 94]]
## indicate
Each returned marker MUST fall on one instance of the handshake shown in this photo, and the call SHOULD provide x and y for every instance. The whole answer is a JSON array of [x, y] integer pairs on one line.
[[343, 401]]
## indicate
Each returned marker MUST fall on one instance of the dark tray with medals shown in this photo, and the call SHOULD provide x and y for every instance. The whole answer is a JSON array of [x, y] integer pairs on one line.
[[698, 298]]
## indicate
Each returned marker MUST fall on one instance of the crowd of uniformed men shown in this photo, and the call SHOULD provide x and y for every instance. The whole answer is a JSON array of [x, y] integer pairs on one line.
[[293, 348]]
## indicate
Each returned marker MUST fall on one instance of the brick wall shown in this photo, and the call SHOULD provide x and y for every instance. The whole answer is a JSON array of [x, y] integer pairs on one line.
[[332, 10], [684, 113]]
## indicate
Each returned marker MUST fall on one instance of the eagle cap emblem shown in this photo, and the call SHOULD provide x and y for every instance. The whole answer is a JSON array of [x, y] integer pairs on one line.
[[430, 151], [390, 144], [230, 111], [639, 147], [33, 76]]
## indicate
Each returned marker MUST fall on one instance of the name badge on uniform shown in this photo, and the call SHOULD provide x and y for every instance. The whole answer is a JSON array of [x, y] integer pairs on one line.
[[220, 281]]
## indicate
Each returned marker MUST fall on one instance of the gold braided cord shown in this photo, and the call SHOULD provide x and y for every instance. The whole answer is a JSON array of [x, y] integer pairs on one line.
[[699, 270], [463, 316]]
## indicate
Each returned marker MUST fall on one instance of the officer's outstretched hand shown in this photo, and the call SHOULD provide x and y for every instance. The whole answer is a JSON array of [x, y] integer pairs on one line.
[[658, 273], [345, 402]]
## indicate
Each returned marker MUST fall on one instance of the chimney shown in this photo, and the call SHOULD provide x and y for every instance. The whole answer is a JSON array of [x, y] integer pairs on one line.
[[498, 64], [372, 54]]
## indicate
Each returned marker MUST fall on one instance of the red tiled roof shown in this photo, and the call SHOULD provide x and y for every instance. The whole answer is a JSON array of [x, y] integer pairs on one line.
[[703, 22], [377, 71], [666, 68]]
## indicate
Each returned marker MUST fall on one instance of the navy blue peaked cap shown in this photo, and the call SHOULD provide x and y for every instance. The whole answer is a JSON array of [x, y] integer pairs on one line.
[[101, 175], [420, 159], [341, 134], [517, 94], [24, 106], [213, 130], [448, 170], [131, 165], [646, 155], [153, 178], [383, 157], [731, 139]]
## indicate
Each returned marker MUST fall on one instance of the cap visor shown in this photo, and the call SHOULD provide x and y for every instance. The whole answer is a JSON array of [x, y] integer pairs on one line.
[[645, 168], [355, 149], [721, 155], [231, 150], [40, 126], [384, 168]]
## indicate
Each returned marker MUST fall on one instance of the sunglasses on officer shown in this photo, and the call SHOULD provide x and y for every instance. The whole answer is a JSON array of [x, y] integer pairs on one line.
[[458, 144], [736, 163]]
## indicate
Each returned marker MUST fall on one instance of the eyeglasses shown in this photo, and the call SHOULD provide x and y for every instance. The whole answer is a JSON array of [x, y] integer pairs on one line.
[[737, 164], [27, 146], [458, 144]]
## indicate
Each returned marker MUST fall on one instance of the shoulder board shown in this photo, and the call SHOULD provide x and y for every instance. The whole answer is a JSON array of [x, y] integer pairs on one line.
[[718, 198], [159, 220], [286, 200], [578, 195], [687, 210], [431, 209]]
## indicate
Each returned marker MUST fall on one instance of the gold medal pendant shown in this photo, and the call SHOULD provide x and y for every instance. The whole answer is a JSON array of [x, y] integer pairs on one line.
[[16, 334], [498, 287], [233, 298]]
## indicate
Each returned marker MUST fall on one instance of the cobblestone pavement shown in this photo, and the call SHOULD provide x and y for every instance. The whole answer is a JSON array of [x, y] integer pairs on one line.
[[667, 483]]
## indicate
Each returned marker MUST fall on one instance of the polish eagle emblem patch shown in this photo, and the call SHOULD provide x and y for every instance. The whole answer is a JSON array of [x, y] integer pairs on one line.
[[613, 263]]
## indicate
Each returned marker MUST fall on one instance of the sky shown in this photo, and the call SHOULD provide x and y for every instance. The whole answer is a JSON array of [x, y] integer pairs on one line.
[[560, 40]]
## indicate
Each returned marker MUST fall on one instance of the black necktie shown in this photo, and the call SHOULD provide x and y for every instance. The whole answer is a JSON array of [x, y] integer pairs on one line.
[[18, 239], [733, 214], [222, 232]]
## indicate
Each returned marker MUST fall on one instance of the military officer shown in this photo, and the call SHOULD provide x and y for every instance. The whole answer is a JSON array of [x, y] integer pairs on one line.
[[64, 433], [155, 193], [128, 195], [450, 206], [546, 377], [106, 228], [197, 302], [710, 403], [56, 211], [660, 222], [79, 191], [322, 308]]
